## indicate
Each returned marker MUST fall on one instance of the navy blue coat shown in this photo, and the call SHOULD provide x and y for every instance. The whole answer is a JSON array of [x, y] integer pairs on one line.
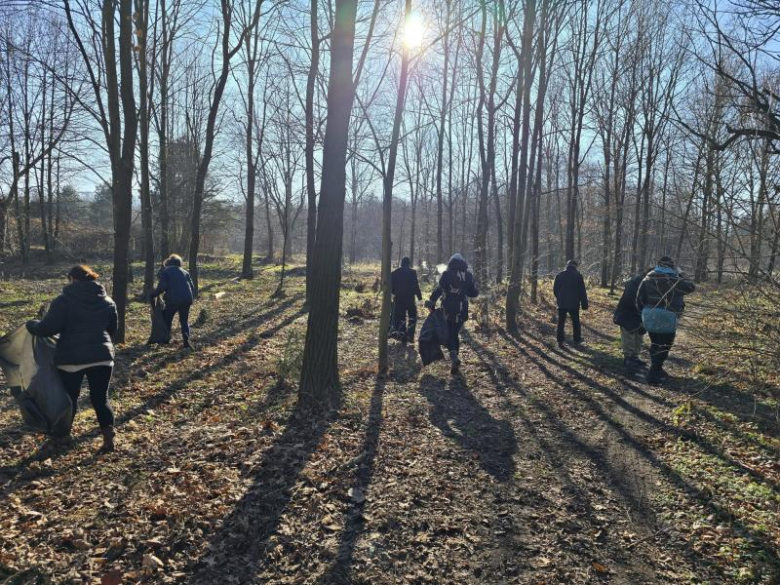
[[569, 289], [85, 319], [626, 314], [405, 284], [177, 285]]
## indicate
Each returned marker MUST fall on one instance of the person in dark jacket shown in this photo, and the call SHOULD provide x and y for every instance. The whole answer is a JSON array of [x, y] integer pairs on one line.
[[405, 287], [569, 290], [663, 287], [630, 321], [85, 319], [456, 287], [179, 293]]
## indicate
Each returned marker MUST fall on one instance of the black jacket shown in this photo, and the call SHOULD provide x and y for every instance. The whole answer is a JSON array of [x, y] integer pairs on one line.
[[85, 319], [177, 285], [569, 289], [405, 284], [456, 286], [626, 314], [664, 288]]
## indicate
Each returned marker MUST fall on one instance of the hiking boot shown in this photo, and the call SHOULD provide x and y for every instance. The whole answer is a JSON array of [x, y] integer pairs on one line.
[[108, 439], [455, 369], [654, 376]]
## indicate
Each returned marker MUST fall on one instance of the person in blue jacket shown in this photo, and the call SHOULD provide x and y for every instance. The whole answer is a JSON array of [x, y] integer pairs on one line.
[[85, 318], [178, 293]]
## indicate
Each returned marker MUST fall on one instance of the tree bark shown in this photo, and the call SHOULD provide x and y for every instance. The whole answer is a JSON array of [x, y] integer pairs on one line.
[[320, 385]]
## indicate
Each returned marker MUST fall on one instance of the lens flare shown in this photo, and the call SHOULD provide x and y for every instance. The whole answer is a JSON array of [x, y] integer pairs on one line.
[[414, 31]]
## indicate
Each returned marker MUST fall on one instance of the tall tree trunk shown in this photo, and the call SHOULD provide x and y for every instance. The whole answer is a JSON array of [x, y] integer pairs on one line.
[[387, 201], [320, 386], [311, 189], [513, 292], [142, 26]]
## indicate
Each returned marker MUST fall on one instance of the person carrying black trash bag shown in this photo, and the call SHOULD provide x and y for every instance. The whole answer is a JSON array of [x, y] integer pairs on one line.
[[456, 287], [405, 287], [179, 291], [569, 290], [85, 318], [628, 317], [660, 300]]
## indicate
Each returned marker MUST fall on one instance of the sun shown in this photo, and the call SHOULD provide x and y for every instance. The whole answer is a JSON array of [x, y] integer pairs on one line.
[[414, 31]]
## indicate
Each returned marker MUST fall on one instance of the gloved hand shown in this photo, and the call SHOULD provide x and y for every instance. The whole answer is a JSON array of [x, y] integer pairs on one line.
[[31, 325], [430, 306]]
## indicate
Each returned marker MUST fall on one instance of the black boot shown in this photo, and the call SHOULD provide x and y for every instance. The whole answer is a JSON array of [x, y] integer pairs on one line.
[[654, 376], [108, 439], [455, 370]]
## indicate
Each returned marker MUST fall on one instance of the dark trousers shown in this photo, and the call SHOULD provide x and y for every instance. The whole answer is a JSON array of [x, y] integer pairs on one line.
[[575, 321], [453, 335], [98, 379], [184, 315], [660, 344], [405, 317]]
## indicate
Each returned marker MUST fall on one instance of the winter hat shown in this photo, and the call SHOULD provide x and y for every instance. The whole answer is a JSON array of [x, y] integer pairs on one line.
[[572, 263], [666, 262], [405, 261], [456, 257]]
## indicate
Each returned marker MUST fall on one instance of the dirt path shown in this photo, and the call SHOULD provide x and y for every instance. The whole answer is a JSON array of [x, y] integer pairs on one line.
[[537, 465]]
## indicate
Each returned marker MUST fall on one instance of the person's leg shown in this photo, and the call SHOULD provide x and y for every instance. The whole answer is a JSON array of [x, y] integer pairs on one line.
[[575, 321], [665, 346], [168, 312], [99, 379], [638, 337], [660, 344], [72, 382], [412, 324], [184, 321], [561, 335], [628, 342], [454, 344]]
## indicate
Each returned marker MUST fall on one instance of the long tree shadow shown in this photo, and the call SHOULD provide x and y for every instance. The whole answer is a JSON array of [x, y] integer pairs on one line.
[[763, 543], [460, 417], [339, 571], [535, 354], [151, 403], [238, 548]]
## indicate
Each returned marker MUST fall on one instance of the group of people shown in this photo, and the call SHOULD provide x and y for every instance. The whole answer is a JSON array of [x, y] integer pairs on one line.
[[456, 286], [652, 302], [85, 319]]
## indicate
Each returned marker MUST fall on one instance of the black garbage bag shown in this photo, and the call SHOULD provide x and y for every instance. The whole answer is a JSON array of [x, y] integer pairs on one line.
[[28, 366], [161, 333], [433, 335], [392, 332]]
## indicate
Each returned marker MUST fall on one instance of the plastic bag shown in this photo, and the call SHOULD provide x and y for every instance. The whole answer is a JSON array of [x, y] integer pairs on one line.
[[28, 365], [161, 333], [658, 320]]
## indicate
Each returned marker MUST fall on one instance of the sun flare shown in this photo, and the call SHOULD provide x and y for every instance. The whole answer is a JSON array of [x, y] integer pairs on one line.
[[414, 31]]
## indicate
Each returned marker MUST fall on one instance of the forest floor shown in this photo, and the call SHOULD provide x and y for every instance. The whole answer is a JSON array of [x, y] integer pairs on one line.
[[537, 465]]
